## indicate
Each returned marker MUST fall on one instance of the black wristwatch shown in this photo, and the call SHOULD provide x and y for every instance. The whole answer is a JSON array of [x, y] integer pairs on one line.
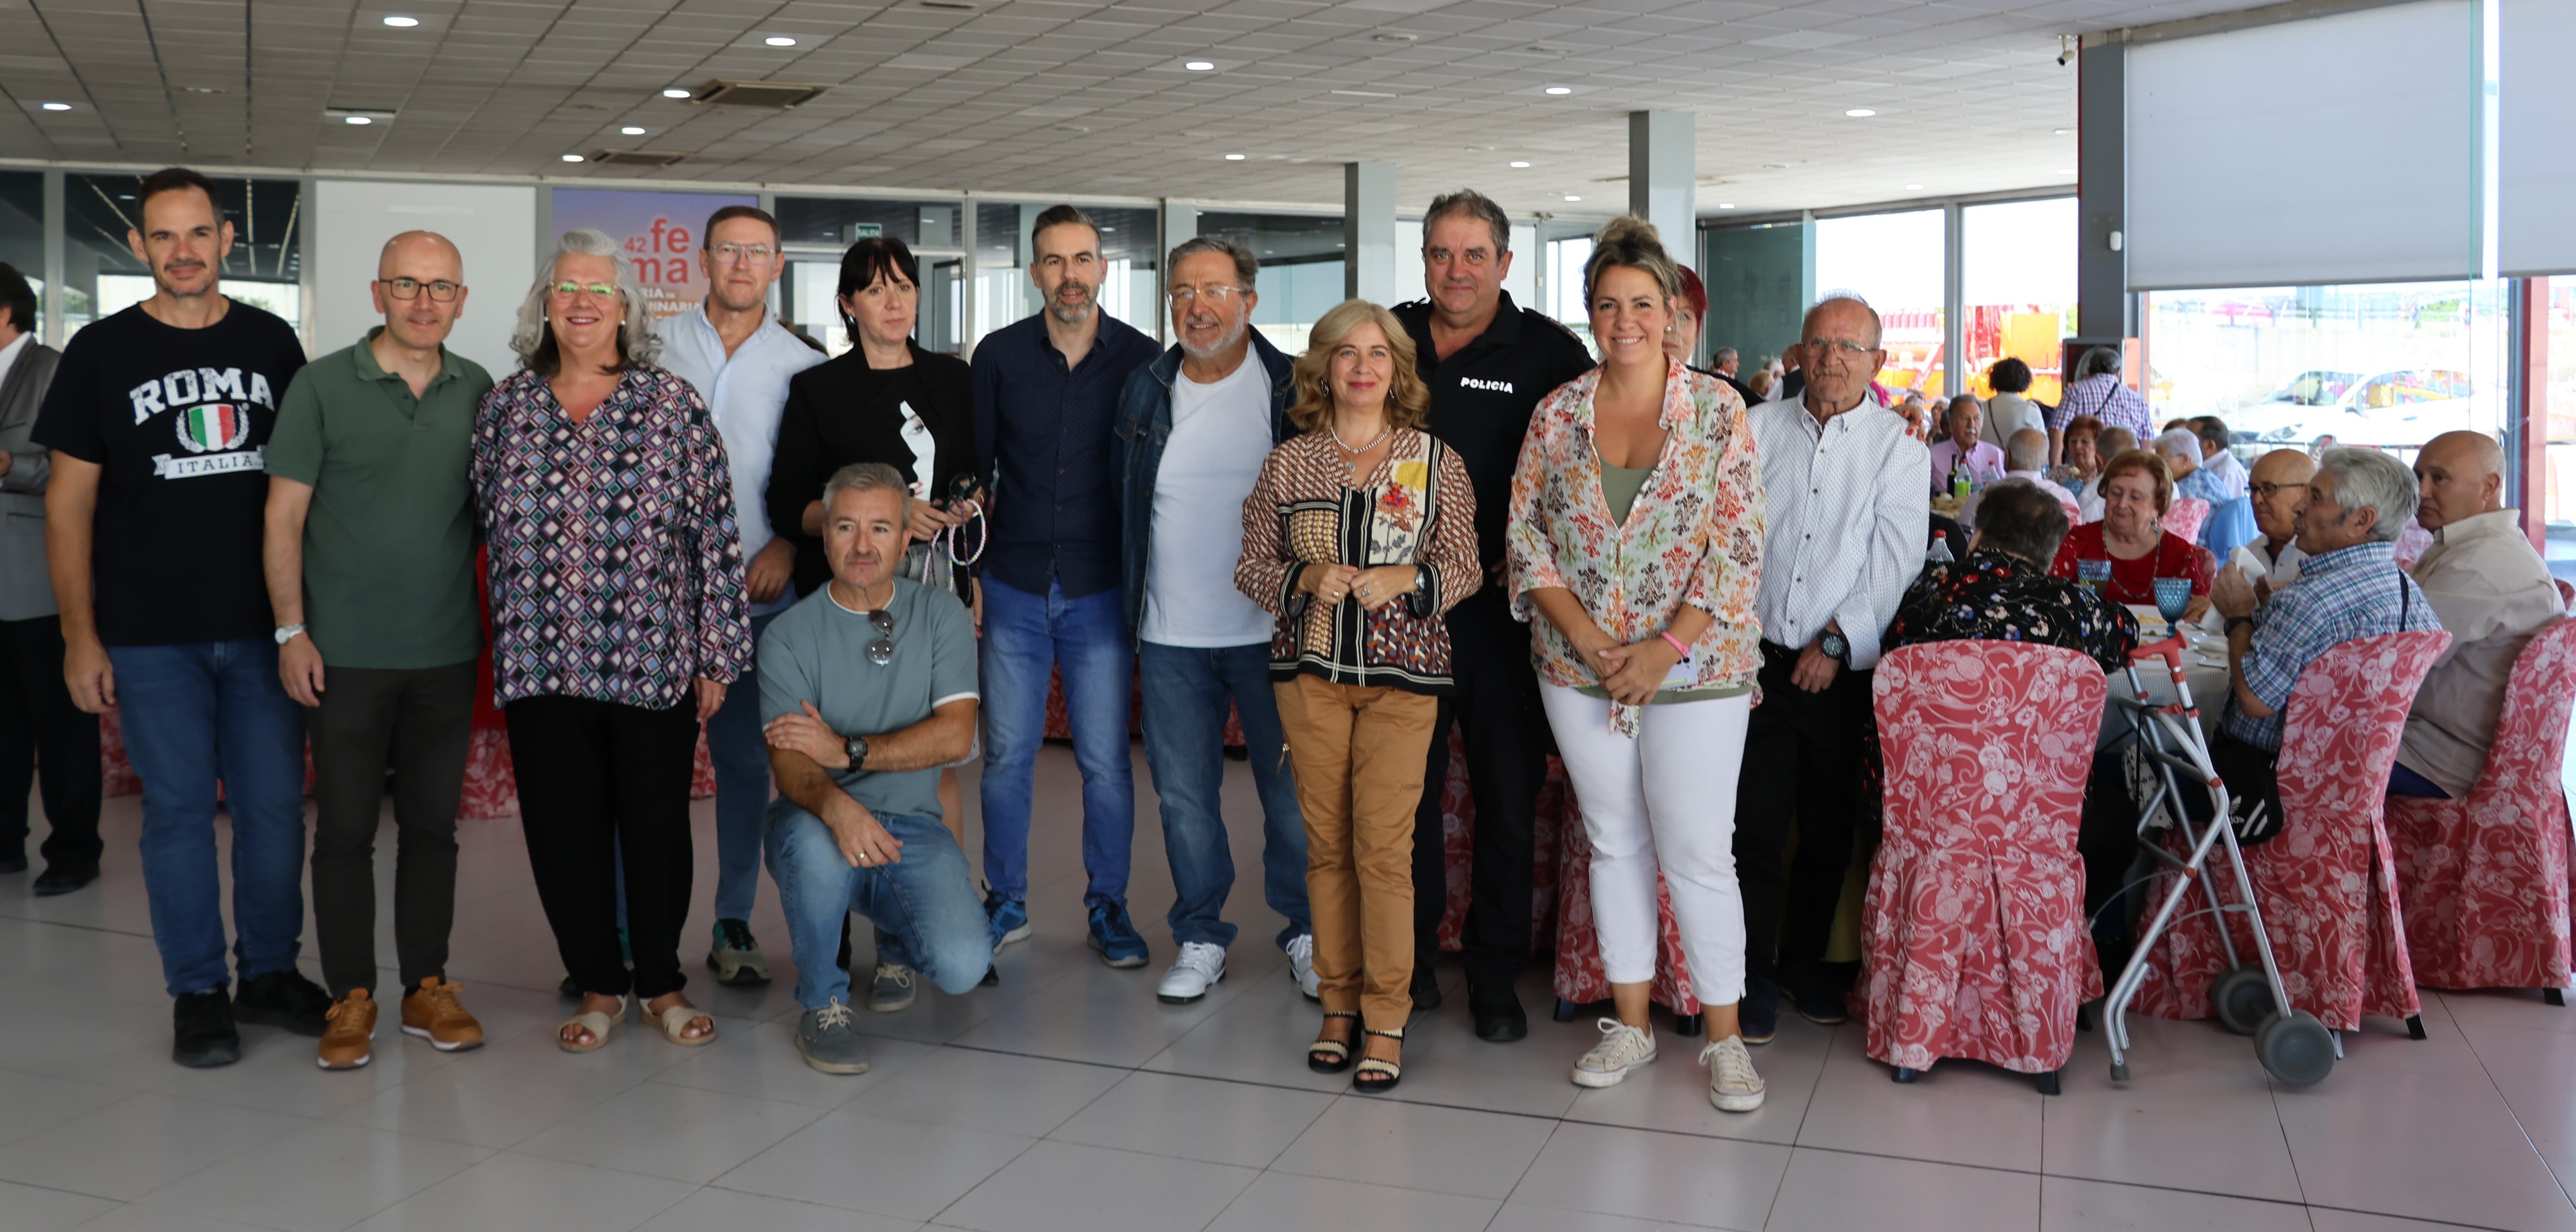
[[856, 749], [2234, 621], [1835, 647]]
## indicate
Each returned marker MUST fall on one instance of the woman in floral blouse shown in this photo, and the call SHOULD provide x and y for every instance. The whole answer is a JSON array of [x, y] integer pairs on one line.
[[1358, 535], [1636, 531], [618, 620]]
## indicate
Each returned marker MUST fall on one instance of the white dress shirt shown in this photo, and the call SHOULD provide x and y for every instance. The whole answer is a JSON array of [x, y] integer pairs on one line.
[[2230, 474], [1848, 513], [2492, 592], [747, 393], [2259, 564]]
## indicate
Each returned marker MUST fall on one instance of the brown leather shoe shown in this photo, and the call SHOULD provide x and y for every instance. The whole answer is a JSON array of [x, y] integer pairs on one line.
[[348, 1032], [432, 1012]]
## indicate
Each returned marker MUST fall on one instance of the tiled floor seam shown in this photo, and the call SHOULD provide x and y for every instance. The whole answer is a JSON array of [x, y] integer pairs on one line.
[[2516, 1113]]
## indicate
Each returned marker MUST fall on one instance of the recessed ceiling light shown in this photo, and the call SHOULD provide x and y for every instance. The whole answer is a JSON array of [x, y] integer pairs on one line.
[[1395, 37], [1234, 158], [56, 106], [632, 131], [675, 92], [779, 40], [1860, 113], [1200, 66], [572, 158], [203, 89], [1913, 188], [402, 23], [1572, 197], [1520, 162], [1726, 205], [1560, 89], [357, 119], [2061, 132]]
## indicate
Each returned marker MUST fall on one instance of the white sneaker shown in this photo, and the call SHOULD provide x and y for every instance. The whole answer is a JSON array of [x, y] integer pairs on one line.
[[1732, 1084], [1621, 1049], [1301, 966], [1198, 968]]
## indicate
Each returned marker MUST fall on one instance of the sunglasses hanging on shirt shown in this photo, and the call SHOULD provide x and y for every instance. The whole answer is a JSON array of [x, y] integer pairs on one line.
[[881, 651]]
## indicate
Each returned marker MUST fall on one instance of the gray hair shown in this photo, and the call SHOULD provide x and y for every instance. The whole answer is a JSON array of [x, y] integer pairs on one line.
[[2369, 478], [1473, 204], [2026, 450], [1724, 356], [1877, 328], [2115, 435], [534, 338], [2100, 361], [2178, 443], [1246, 266], [866, 477]]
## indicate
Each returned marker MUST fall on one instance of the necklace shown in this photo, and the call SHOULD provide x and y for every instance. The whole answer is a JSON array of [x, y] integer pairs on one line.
[[1336, 434]]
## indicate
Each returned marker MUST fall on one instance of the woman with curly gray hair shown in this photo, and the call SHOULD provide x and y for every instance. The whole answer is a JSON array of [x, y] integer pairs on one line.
[[618, 619]]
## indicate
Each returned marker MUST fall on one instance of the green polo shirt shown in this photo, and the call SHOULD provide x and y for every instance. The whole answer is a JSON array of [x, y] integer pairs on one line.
[[389, 540]]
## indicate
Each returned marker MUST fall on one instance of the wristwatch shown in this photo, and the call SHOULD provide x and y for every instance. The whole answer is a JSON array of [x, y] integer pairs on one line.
[[288, 633], [2234, 621], [856, 749], [1835, 647]]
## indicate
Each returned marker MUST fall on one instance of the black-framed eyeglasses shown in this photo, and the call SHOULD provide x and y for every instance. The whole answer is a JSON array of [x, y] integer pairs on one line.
[[881, 651], [2269, 490], [441, 290]]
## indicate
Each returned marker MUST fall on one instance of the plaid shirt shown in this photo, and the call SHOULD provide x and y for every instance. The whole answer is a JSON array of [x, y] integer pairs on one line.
[[2341, 596], [2103, 397]]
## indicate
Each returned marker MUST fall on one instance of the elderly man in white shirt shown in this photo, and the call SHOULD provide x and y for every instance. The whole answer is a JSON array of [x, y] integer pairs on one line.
[[1848, 512], [2492, 591], [2277, 482], [2026, 459], [2214, 438], [732, 349]]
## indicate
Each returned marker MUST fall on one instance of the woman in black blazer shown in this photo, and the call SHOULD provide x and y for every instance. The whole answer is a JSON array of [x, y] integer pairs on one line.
[[873, 404]]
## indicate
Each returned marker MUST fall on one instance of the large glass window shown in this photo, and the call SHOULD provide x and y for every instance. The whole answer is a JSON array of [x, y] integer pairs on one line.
[[2017, 289], [1129, 239], [1301, 268], [101, 275], [22, 231], [815, 231], [1563, 289], [2388, 365], [2560, 483], [1894, 261]]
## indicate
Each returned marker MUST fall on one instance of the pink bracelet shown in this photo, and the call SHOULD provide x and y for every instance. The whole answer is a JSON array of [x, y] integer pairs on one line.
[[1667, 635]]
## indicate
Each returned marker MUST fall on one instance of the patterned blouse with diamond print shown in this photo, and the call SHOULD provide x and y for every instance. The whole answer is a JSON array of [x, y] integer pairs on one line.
[[1995, 596], [616, 567], [1694, 536], [1418, 509]]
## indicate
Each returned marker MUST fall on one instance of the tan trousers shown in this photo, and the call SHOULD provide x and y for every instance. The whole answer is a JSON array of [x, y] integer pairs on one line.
[[1359, 754]]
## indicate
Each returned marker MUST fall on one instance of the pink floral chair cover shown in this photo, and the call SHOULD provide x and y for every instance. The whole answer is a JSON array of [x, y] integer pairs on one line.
[[2484, 880], [2183, 518], [1556, 816], [1579, 975], [1973, 941], [2327, 882]]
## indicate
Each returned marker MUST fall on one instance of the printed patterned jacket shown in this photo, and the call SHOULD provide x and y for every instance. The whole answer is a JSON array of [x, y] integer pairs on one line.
[[1694, 536], [1417, 509], [616, 566]]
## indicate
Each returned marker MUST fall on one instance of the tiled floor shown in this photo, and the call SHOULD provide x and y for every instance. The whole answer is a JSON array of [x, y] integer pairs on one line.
[[1069, 1099]]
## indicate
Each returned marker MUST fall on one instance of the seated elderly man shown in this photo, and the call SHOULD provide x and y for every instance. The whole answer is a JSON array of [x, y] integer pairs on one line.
[[2492, 592], [2231, 517], [2349, 588], [2214, 456], [2025, 459], [1961, 451], [2271, 558], [868, 688]]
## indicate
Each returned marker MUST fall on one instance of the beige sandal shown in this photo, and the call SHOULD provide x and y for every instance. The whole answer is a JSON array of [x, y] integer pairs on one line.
[[598, 1024], [676, 1020]]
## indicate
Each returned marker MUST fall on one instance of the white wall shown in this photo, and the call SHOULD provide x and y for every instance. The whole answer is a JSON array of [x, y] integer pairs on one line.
[[495, 226]]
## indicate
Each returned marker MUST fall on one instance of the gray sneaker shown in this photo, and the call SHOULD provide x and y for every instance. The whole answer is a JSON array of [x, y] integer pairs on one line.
[[736, 958], [891, 990], [825, 1040]]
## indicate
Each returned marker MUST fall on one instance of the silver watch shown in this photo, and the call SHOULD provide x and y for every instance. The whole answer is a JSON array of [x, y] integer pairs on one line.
[[288, 633]]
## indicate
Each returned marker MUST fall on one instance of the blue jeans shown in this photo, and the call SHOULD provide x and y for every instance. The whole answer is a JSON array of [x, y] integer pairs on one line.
[[2405, 782], [924, 904], [1023, 635], [1186, 689], [741, 756], [195, 715]]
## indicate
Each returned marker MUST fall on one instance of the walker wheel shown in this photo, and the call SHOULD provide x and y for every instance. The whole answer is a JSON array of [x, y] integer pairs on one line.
[[2296, 1049], [2241, 998]]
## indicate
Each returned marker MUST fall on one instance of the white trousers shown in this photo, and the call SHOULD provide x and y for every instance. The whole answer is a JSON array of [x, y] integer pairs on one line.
[[1665, 798]]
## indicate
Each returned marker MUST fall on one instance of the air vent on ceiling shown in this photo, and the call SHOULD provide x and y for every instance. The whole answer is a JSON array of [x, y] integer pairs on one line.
[[756, 93], [638, 158]]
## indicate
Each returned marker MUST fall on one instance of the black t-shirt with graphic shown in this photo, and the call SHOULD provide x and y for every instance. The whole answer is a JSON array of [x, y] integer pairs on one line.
[[178, 421]]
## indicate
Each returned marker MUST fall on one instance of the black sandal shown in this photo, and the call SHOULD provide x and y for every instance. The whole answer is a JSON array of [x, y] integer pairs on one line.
[[1377, 1077], [1330, 1056]]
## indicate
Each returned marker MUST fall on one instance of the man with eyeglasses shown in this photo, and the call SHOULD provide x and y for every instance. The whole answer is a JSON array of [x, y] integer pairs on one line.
[[1193, 429], [1847, 512], [732, 348], [370, 563], [1488, 362]]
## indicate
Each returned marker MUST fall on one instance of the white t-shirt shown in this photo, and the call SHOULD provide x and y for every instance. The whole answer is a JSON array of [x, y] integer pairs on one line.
[[1220, 434]]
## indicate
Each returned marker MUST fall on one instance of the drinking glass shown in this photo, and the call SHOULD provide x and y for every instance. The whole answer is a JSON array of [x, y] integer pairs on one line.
[[2093, 574], [2173, 596]]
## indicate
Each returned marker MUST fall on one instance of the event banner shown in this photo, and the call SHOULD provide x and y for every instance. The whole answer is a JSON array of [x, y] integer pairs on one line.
[[660, 231]]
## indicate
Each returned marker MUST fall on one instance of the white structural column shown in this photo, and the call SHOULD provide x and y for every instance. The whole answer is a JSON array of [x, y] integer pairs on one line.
[[1663, 173], [1368, 232]]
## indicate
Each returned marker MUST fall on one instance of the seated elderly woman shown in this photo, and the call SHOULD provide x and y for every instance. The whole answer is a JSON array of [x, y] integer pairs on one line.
[[2231, 516], [2136, 490]]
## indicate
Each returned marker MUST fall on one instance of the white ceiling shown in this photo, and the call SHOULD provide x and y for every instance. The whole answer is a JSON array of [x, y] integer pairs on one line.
[[1065, 96]]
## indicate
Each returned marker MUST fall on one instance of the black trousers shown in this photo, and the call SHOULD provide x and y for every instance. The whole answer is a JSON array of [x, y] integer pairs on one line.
[[43, 734], [1497, 709], [597, 779], [1802, 756], [420, 722]]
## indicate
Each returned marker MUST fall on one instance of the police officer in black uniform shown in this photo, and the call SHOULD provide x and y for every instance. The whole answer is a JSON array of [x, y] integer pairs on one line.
[[1488, 363]]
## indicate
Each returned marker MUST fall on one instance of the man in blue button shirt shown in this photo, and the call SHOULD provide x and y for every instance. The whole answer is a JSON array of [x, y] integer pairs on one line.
[[1046, 392]]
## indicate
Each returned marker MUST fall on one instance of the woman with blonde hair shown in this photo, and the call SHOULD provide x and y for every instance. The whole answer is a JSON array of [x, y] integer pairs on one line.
[[1636, 532], [1359, 534]]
